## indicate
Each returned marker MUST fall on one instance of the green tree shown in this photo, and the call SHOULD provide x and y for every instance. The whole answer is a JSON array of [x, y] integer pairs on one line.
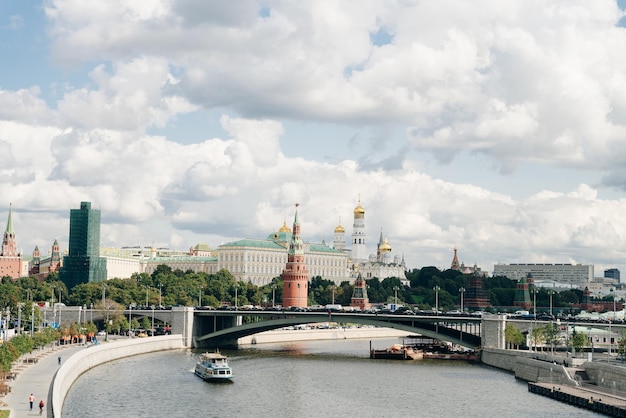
[[537, 337], [551, 335], [513, 336], [578, 341]]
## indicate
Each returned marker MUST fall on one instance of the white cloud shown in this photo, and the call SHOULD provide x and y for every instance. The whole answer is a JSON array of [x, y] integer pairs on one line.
[[516, 82]]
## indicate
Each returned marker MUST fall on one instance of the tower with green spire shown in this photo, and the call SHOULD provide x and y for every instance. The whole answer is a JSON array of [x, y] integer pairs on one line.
[[83, 264], [10, 258], [295, 275]]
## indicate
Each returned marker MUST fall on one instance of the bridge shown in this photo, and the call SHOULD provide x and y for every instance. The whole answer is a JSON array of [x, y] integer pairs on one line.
[[216, 328]]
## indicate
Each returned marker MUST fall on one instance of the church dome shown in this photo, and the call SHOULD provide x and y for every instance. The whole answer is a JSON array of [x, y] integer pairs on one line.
[[385, 247], [284, 228], [359, 209], [339, 229]]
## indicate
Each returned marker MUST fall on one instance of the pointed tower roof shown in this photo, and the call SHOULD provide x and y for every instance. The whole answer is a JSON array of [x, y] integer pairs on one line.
[[9, 229], [296, 245], [455, 262]]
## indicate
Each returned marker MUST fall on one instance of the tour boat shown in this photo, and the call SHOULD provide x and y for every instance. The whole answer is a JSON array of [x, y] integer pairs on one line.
[[213, 367]]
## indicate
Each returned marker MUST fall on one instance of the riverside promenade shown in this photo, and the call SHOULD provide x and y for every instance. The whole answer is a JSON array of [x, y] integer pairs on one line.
[[36, 378], [50, 381]]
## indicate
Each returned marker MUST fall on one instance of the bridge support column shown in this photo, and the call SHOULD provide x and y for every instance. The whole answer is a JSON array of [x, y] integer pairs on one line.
[[182, 323], [492, 331]]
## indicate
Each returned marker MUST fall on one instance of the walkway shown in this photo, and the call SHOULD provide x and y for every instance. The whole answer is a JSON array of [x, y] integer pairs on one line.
[[36, 379]]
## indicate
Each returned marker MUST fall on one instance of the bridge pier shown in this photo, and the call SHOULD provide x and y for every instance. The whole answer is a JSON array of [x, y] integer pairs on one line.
[[182, 323], [210, 324], [492, 331]]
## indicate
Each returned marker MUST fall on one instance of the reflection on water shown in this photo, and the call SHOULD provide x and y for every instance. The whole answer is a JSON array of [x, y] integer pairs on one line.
[[308, 379]]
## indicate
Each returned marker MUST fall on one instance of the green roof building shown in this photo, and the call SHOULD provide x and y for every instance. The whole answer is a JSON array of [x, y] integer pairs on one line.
[[83, 264]]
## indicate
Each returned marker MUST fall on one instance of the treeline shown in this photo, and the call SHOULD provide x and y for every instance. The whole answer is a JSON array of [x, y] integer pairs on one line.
[[169, 287]]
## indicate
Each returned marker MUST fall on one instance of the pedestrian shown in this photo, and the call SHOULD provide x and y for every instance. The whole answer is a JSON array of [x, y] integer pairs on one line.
[[59, 360], [31, 400], [41, 405]]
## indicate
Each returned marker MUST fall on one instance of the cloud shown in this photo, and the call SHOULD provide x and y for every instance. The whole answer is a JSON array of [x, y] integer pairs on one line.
[[514, 83]]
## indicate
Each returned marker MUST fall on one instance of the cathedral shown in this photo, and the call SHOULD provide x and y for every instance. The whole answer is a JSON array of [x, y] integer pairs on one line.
[[382, 264]]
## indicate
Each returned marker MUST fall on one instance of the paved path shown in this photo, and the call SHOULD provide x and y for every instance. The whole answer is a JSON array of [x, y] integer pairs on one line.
[[36, 379]]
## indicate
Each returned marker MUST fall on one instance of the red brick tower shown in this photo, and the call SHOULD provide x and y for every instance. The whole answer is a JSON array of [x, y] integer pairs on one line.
[[295, 275], [455, 265], [359, 296], [10, 258]]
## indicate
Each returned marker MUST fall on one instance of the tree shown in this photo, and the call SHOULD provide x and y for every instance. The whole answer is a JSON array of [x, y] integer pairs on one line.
[[537, 337], [551, 335], [513, 336], [577, 341]]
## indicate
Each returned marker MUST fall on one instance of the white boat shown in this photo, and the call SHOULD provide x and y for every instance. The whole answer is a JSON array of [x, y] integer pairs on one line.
[[214, 367]]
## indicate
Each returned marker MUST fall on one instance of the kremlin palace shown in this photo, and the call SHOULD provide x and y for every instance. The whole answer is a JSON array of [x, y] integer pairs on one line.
[[257, 261]]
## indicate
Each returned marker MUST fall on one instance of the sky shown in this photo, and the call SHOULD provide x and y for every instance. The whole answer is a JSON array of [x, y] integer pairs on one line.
[[497, 127]]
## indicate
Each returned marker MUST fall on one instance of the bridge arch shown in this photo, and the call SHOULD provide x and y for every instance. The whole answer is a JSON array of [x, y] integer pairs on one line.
[[225, 331]]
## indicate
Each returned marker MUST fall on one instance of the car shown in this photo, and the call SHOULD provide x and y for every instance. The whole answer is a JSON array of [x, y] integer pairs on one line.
[[101, 334]]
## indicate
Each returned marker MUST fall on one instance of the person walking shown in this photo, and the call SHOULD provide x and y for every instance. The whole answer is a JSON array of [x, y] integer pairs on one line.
[[31, 400], [59, 360], [41, 405]]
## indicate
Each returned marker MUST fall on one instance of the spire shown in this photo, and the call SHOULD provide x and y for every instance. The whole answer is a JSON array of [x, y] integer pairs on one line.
[[9, 230], [380, 240], [296, 245], [455, 262]]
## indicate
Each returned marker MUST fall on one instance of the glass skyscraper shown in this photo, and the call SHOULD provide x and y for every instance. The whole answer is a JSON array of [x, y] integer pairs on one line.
[[83, 264]]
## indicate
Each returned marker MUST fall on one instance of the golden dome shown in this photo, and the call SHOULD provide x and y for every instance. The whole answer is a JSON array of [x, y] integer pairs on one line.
[[385, 247], [359, 209], [284, 228], [340, 229]]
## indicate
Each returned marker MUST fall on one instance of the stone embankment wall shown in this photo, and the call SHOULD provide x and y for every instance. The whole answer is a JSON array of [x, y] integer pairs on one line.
[[94, 356], [527, 365], [607, 376], [288, 335]]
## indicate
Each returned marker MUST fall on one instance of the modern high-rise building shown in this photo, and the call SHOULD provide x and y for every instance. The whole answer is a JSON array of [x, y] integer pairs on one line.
[[568, 275], [612, 273], [83, 264]]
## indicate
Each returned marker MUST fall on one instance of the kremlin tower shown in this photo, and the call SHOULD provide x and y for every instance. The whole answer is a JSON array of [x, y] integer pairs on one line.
[[10, 258], [295, 275]]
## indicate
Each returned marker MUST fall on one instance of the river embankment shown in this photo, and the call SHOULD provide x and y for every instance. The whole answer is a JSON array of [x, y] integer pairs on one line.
[[596, 386], [338, 333], [82, 361]]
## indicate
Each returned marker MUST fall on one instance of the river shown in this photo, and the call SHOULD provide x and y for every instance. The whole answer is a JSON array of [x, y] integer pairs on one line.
[[311, 379]]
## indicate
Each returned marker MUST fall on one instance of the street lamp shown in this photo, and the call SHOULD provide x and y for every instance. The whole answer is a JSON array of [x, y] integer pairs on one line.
[[395, 289], [550, 292], [152, 321], [333, 302], [273, 295], [147, 291], [614, 306], [130, 310], [200, 295], [235, 294], [436, 289], [160, 285], [462, 291]]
